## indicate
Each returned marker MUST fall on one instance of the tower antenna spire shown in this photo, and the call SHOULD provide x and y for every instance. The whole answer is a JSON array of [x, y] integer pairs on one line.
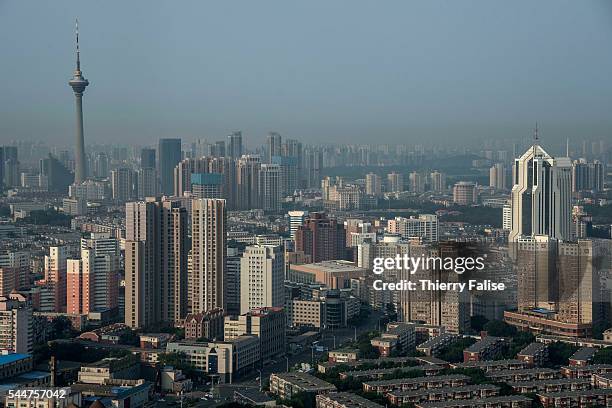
[[78, 51], [535, 133]]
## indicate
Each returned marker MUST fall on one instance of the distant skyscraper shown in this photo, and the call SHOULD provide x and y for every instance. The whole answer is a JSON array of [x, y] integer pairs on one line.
[[169, 155], [208, 253], [395, 182], [78, 84], [438, 181], [465, 193], [498, 177], [288, 173], [247, 182], [235, 145], [587, 176], [274, 145], [147, 182], [417, 182], [122, 182], [373, 184], [541, 195], [9, 161], [270, 187], [147, 158], [262, 272]]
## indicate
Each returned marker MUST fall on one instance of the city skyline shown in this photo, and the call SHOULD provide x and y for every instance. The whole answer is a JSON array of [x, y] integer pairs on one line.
[[467, 77]]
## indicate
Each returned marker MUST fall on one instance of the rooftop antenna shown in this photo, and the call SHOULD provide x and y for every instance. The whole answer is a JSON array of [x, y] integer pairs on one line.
[[78, 51], [535, 139], [567, 148]]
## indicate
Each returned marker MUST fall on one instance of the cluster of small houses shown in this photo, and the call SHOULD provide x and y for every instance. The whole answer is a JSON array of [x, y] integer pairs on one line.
[[578, 384]]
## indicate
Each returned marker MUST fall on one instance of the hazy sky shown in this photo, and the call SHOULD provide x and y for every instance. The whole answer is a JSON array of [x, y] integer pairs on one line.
[[321, 71]]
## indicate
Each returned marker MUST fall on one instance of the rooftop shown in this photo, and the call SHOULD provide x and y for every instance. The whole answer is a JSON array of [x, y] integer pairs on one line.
[[483, 344], [532, 348], [597, 391], [253, 395], [476, 402], [350, 400], [463, 388], [584, 353], [437, 378], [305, 381], [13, 357]]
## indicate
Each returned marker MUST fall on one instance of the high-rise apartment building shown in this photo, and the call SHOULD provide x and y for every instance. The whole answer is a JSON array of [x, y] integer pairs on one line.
[[93, 280], [16, 330], [588, 176], [270, 187], [247, 182], [465, 193], [235, 145], [424, 226], [156, 250], [147, 158], [373, 184], [169, 155], [288, 174], [274, 142], [262, 272], [147, 182], [417, 182], [122, 182], [321, 237], [498, 177], [208, 253], [207, 185], [438, 181], [55, 275], [395, 182]]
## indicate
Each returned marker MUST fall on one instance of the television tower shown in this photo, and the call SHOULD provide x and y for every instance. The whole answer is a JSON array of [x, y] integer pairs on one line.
[[78, 84]]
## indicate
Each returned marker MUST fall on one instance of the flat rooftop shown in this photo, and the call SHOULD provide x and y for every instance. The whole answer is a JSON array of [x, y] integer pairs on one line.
[[350, 400], [417, 380]]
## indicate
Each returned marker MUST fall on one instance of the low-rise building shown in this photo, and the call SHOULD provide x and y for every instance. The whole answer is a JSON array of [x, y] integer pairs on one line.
[[490, 365], [14, 364], [174, 381], [118, 393], [487, 348], [435, 345], [225, 358], [582, 357], [285, 385], [108, 369], [584, 398], [399, 398], [550, 386], [528, 374], [513, 401], [344, 400], [154, 340], [384, 386], [585, 371], [603, 380], [342, 356], [534, 354], [380, 373]]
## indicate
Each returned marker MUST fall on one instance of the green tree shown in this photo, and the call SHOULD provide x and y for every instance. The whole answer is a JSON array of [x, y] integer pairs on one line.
[[478, 322], [499, 328]]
